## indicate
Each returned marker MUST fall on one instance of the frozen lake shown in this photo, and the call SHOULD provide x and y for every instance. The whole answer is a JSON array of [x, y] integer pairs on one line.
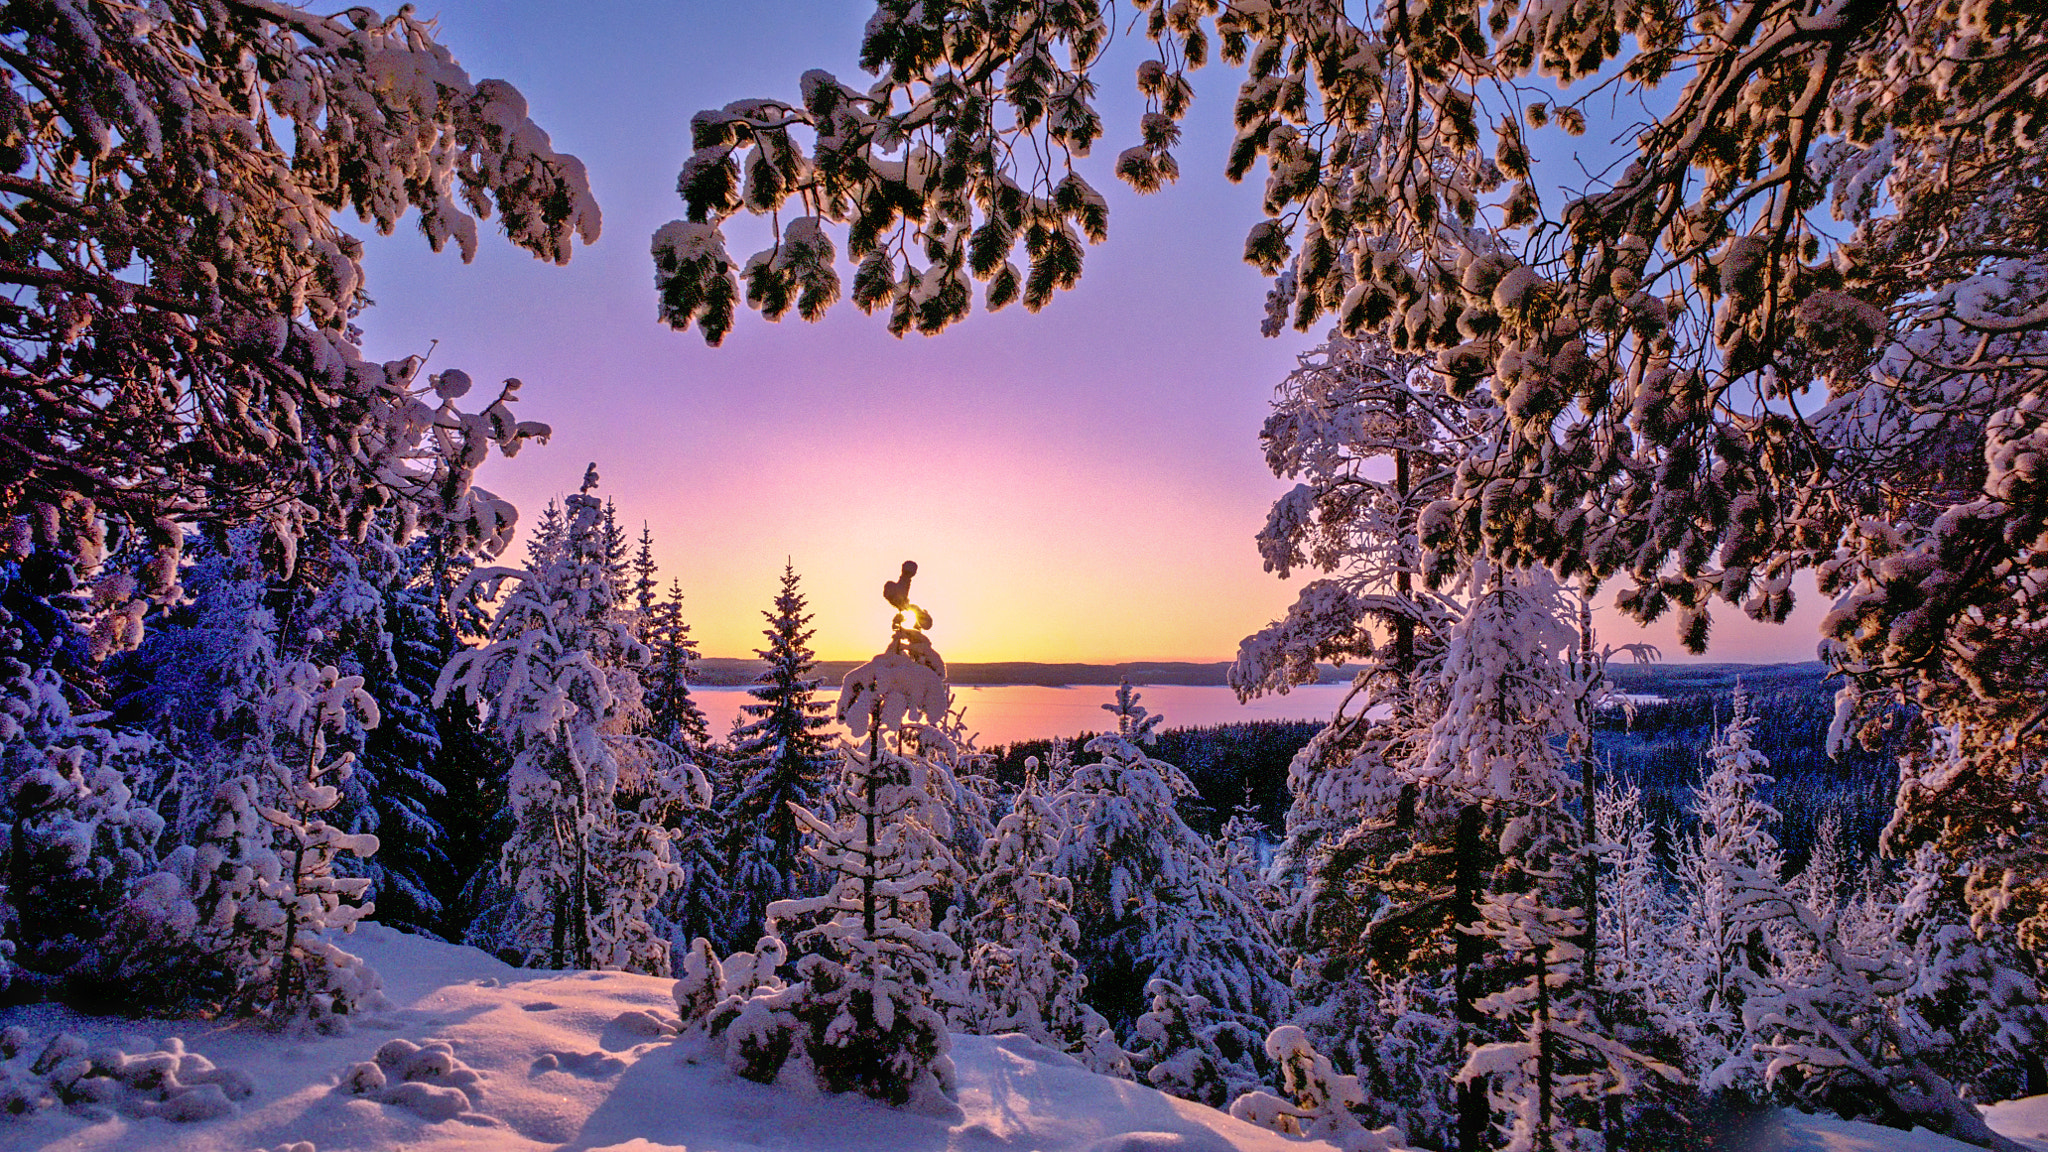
[[1006, 714]]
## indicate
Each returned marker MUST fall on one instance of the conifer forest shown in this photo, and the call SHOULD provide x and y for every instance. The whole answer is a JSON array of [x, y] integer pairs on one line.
[[346, 805]]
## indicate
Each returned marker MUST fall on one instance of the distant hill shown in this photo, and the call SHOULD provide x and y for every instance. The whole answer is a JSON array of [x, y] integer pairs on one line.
[[1716, 679], [1649, 679], [724, 671]]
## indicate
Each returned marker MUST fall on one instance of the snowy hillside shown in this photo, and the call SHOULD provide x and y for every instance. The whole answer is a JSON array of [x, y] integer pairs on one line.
[[510, 1060], [573, 1060]]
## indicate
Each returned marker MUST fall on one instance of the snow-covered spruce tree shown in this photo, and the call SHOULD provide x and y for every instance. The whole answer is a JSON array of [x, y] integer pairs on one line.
[[560, 676], [398, 787], [182, 345], [1319, 1100], [962, 787], [1829, 1028], [1825, 881], [1148, 891], [741, 1006], [778, 759], [701, 904], [471, 763], [205, 675], [646, 582], [873, 960], [658, 847], [1976, 1005], [74, 836], [1638, 921], [672, 716], [200, 681], [1180, 1050], [1374, 863], [314, 976], [1499, 744], [546, 537], [244, 914], [618, 556], [1239, 846], [1716, 942], [1022, 973]]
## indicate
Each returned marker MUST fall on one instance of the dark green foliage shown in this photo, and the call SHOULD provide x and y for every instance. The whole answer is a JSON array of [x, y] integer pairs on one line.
[[1224, 761], [672, 716], [778, 759], [1661, 748]]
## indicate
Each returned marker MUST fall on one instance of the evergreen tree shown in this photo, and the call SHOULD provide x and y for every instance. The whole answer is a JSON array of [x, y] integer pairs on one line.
[[867, 1008], [1718, 941], [1824, 882], [74, 836], [245, 912], [1638, 922], [471, 808], [1149, 893], [654, 849], [1384, 872], [1320, 1100], [618, 555], [645, 585], [1183, 1053], [560, 674], [671, 714], [1023, 975], [369, 617], [1499, 745], [200, 680], [1238, 845], [1975, 1005], [546, 536], [778, 759], [1831, 1028], [314, 976], [966, 793]]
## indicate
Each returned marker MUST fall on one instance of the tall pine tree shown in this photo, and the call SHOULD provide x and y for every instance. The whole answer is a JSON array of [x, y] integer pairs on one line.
[[779, 759], [671, 714], [561, 675]]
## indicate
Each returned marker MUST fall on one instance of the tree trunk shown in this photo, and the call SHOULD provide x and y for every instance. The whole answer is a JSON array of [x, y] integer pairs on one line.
[[867, 879], [1546, 1061], [1475, 1117], [558, 934]]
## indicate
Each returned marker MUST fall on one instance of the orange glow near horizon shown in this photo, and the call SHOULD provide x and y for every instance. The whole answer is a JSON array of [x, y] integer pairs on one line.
[[1013, 563]]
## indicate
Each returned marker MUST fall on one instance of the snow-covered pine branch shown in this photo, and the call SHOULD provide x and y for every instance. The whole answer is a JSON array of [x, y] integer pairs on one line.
[[182, 346]]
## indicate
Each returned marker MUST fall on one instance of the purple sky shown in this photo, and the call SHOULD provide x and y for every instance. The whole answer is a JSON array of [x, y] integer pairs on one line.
[[1083, 484]]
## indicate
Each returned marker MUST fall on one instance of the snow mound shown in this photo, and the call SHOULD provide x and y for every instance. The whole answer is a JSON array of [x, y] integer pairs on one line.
[[1797, 1132], [2023, 1120], [1161, 1142], [426, 1080], [96, 1081]]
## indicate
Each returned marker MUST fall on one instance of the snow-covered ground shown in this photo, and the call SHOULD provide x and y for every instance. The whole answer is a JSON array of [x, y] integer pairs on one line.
[[473, 1054]]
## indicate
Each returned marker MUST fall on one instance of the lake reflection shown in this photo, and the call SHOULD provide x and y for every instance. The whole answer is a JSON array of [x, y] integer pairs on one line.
[[1009, 713]]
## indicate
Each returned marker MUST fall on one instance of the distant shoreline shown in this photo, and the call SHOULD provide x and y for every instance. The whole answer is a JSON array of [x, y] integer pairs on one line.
[[733, 672]]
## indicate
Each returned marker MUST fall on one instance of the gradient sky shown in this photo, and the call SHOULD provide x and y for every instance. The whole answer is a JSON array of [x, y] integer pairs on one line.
[[1082, 484]]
